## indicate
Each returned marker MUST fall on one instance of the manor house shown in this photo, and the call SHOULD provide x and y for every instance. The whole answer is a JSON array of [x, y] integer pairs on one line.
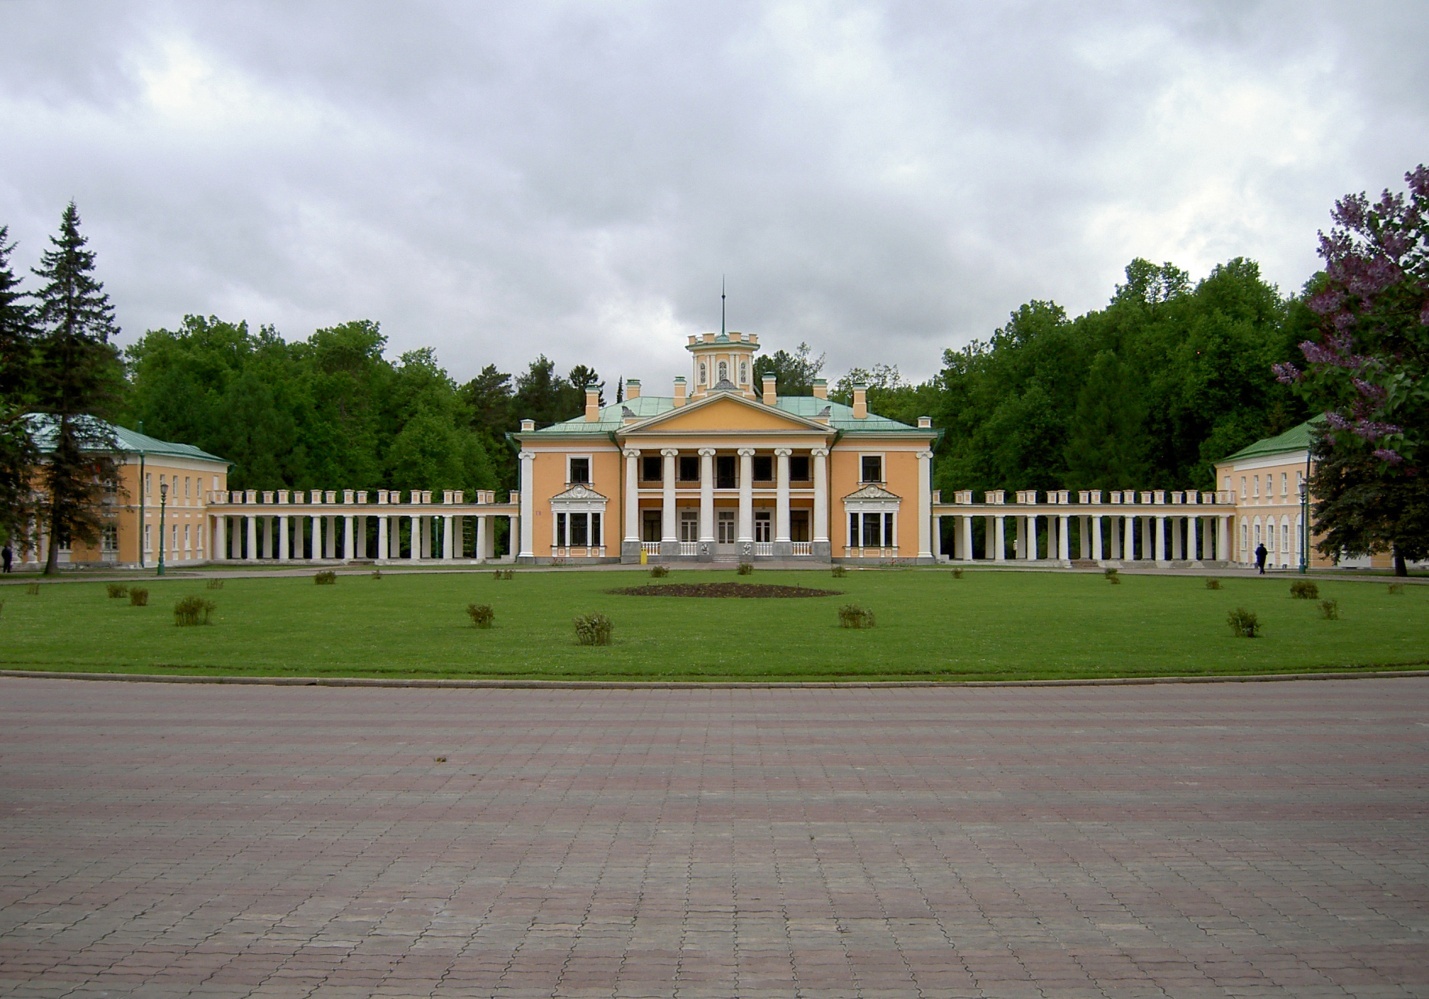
[[726, 470]]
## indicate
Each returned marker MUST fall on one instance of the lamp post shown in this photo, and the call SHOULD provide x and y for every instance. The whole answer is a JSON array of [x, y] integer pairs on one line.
[[1304, 525], [163, 500]]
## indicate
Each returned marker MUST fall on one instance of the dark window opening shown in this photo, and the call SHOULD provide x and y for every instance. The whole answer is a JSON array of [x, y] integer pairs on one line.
[[580, 470], [650, 468], [799, 468], [689, 468], [763, 468], [724, 471], [872, 468]]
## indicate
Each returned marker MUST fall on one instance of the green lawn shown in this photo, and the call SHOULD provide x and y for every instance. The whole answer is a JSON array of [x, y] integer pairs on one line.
[[985, 626]]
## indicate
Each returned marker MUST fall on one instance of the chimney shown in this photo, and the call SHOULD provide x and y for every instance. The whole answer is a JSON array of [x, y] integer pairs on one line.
[[679, 391], [771, 392], [821, 388], [632, 388], [860, 402], [925, 423], [527, 426], [592, 405]]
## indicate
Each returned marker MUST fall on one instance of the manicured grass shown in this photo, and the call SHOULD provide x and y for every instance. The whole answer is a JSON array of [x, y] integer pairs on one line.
[[985, 626]]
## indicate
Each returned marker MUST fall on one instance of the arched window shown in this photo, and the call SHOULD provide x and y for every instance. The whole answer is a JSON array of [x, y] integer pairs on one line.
[[724, 371], [744, 372], [703, 373]]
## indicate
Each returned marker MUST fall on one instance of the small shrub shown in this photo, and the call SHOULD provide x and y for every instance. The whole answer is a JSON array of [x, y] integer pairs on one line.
[[1330, 610], [1113, 576], [138, 596], [854, 616], [839, 572], [376, 573], [1213, 584], [193, 610], [214, 584], [659, 571], [745, 568], [481, 615], [1303, 589], [1243, 623], [33, 589], [958, 573], [116, 590], [1395, 588], [593, 629], [504, 574], [325, 578]]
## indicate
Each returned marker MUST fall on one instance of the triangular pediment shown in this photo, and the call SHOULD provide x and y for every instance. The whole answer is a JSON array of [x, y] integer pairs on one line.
[[872, 491], [579, 493], [725, 412]]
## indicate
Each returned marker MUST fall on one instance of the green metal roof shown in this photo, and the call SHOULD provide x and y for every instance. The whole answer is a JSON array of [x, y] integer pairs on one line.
[[43, 427], [1294, 439], [612, 418]]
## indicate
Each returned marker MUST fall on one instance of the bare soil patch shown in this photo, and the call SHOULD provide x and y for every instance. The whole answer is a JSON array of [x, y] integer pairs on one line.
[[723, 590]]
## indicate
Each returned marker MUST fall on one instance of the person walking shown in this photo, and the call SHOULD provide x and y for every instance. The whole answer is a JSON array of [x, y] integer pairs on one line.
[[6, 556], [1260, 554]]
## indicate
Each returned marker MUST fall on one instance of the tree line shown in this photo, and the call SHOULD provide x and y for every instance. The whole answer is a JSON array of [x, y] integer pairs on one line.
[[1146, 392]]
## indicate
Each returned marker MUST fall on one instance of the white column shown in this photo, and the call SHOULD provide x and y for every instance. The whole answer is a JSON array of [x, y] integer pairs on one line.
[[330, 537], [315, 542], [480, 539], [1097, 538], [1223, 540], [667, 496], [746, 495], [252, 553], [999, 538], [1148, 549], [1160, 528], [1031, 549], [349, 551], [283, 538], [362, 537], [781, 495], [1064, 542], [707, 514], [967, 552], [632, 497], [416, 550], [1176, 537], [382, 545], [220, 537], [925, 504], [1128, 541], [528, 505], [447, 553], [821, 493], [1192, 545]]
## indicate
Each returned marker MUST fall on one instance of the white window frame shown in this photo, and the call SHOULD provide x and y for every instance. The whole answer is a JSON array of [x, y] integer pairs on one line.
[[882, 467], [589, 480]]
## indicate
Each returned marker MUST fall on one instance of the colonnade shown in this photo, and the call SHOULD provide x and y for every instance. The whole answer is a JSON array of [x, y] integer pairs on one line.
[[279, 527], [1189, 527]]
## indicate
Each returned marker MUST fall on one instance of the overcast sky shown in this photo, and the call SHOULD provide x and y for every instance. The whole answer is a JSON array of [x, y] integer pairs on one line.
[[881, 180]]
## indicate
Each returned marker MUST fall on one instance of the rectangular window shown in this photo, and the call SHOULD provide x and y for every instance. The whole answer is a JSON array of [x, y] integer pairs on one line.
[[689, 525], [148, 483], [579, 537], [724, 471], [872, 522], [871, 468], [174, 538], [109, 538], [186, 487], [595, 530], [689, 468], [148, 539], [650, 468], [763, 468], [560, 530], [1255, 486], [726, 525], [579, 470], [1242, 487], [650, 525], [1284, 484], [763, 525], [799, 468]]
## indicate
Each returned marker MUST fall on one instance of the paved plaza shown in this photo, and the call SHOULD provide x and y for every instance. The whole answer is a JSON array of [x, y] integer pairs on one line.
[[1200, 839]]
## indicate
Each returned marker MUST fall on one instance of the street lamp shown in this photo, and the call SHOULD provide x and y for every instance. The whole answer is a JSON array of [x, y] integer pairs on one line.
[[1304, 525], [163, 499]]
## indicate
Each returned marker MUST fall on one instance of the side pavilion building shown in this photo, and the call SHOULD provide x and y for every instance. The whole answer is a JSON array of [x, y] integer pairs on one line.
[[723, 470]]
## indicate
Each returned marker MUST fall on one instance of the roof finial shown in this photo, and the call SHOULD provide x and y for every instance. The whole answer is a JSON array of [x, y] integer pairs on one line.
[[721, 305]]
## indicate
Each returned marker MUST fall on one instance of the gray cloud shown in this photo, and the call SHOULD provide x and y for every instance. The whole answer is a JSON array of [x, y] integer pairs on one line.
[[497, 180]]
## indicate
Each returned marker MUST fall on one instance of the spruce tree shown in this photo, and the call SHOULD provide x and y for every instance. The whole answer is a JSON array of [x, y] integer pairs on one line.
[[76, 381], [17, 451]]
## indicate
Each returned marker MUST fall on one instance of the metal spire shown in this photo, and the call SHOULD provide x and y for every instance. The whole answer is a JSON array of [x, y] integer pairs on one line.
[[721, 305]]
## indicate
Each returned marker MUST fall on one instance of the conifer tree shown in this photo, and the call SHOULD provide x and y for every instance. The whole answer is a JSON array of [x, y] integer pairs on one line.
[[76, 380], [17, 452]]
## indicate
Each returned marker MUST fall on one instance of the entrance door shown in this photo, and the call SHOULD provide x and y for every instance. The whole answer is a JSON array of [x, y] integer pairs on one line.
[[689, 525]]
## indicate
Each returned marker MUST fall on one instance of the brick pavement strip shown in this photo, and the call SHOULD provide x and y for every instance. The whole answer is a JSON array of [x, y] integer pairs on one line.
[[227, 841]]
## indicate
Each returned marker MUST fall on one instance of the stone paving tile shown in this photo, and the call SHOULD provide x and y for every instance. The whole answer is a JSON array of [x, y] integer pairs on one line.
[[241, 842]]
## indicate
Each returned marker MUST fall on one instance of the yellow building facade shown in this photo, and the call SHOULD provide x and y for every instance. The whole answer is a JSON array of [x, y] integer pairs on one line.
[[160, 485], [726, 470]]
